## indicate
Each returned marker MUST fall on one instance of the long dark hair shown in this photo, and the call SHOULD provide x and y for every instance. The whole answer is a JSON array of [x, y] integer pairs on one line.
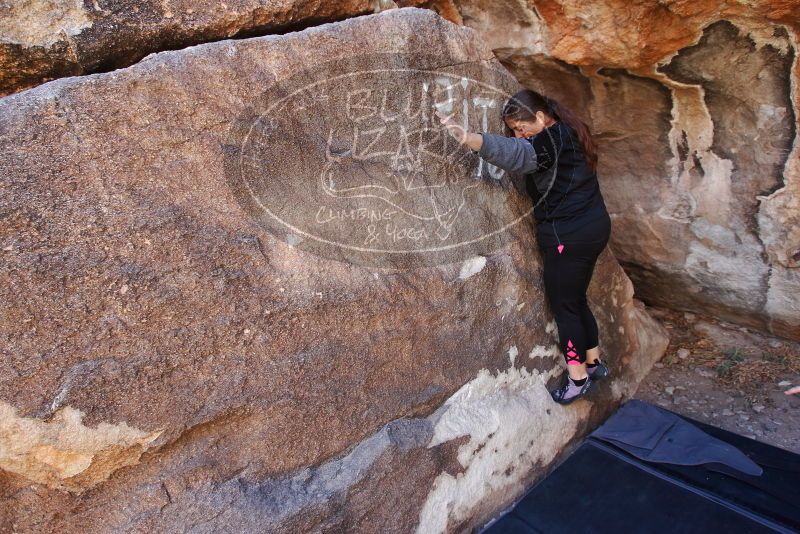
[[524, 104]]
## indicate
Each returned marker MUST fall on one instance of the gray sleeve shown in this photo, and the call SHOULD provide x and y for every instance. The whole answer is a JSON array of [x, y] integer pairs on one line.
[[511, 154]]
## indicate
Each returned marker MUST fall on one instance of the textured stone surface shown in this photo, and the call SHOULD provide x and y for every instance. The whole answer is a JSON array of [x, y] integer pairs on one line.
[[211, 377], [695, 108], [42, 40]]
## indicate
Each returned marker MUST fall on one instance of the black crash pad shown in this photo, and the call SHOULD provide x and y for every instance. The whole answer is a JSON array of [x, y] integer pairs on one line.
[[604, 488]]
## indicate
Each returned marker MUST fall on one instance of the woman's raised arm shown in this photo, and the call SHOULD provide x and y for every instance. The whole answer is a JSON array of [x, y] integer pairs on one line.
[[512, 154]]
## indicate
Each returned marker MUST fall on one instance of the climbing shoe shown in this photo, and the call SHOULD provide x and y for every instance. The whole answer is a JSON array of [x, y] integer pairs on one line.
[[570, 390], [598, 371]]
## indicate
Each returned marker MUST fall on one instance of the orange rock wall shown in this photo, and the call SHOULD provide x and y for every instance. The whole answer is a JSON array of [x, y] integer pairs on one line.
[[695, 107]]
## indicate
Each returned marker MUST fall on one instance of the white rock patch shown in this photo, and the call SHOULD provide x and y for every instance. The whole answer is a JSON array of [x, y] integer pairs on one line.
[[512, 354], [472, 266], [540, 351], [506, 417]]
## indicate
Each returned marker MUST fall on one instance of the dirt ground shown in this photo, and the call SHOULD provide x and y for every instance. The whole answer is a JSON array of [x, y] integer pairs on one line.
[[728, 376]]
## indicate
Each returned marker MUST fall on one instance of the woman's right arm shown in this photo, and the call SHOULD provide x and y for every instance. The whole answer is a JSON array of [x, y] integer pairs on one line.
[[512, 154]]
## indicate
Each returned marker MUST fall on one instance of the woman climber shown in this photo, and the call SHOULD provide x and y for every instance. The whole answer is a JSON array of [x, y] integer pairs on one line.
[[554, 150]]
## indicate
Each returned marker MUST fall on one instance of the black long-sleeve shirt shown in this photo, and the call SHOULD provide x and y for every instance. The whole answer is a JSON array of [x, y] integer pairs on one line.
[[573, 210]]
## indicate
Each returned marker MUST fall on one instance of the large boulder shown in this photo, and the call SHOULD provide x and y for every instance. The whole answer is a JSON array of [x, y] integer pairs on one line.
[[189, 346], [695, 108], [41, 40]]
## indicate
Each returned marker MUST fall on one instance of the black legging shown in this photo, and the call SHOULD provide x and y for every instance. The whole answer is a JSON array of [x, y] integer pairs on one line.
[[566, 277]]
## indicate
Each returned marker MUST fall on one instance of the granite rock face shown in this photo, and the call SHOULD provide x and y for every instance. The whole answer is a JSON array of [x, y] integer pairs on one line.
[[170, 361], [41, 40], [695, 108]]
